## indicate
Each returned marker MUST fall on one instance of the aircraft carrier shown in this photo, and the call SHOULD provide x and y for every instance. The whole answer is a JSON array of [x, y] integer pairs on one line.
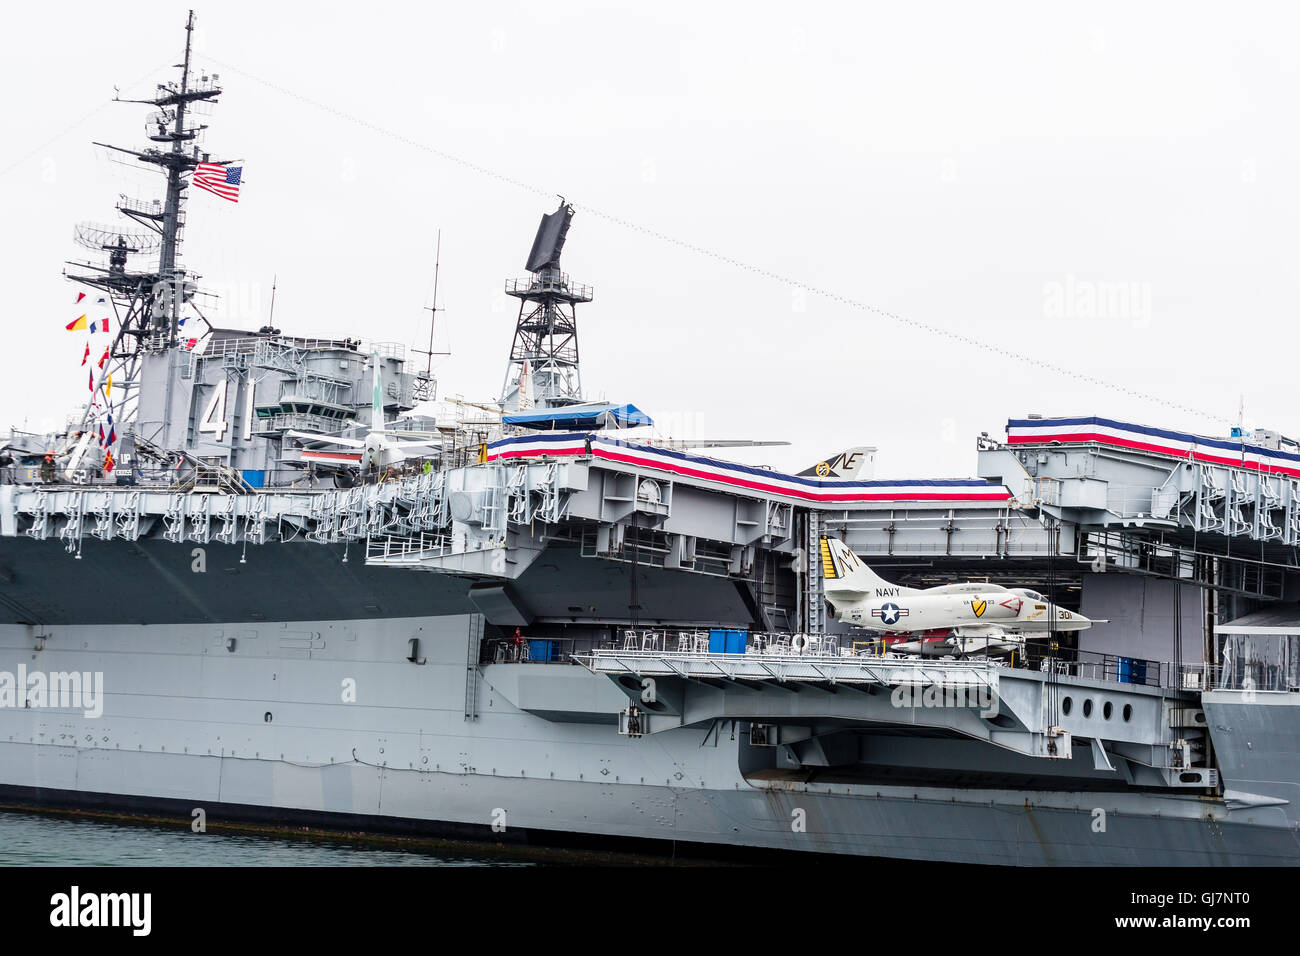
[[323, 595]]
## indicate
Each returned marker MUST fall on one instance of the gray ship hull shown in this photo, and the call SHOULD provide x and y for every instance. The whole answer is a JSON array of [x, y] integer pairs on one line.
[[895, 825], [191, 721]]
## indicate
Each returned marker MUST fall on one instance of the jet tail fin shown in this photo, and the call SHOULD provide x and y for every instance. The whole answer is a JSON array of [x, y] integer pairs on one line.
[[377, 399], [847, 464], [844, 573]]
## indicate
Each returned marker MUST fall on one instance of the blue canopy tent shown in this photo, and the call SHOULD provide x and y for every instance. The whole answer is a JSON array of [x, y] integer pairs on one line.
[[590, 417]]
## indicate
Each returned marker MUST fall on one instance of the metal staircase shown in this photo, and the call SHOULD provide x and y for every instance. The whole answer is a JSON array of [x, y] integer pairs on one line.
[[816, 582], [471, 666]]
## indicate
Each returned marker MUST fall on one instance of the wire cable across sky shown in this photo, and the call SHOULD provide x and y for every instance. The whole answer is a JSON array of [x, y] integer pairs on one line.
[[828, 294]]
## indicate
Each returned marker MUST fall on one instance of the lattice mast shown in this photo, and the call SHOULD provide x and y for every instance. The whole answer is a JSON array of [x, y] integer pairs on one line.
[[545, 345], [147, 300]]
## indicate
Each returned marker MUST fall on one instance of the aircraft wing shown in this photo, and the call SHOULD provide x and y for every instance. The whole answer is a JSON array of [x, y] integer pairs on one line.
[[404, 433], [413, 445], [327, 439], [326, 466], [981, 630], [487, 408]]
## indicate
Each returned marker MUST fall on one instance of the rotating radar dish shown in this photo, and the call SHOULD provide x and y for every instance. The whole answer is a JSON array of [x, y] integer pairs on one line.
[[109, 238]]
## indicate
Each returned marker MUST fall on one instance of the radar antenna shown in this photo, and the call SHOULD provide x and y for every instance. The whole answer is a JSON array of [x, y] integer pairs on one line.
[[117, 243], [546, 334]]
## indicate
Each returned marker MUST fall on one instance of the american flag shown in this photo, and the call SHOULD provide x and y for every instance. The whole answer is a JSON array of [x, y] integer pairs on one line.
[[219, 180]]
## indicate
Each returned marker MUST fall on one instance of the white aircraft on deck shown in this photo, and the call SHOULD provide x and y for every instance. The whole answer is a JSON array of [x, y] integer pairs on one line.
[[378, 449], [973, 616]]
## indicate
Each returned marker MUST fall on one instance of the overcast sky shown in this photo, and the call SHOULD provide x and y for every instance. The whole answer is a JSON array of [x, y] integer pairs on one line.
[[1112, 188]]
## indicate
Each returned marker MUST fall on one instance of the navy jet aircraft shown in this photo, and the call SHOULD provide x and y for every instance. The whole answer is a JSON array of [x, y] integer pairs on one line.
[[972, 616]]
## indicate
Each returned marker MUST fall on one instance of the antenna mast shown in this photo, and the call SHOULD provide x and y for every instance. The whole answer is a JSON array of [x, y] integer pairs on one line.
[[270, 318], [433, 309], [425, 384], [147, 301]]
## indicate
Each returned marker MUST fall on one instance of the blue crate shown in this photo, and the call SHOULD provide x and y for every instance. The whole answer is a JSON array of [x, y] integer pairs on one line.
[[727, 641], [543, 650], [1132, 670]]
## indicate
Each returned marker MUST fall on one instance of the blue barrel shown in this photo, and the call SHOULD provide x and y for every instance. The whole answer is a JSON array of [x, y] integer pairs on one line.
[[735, 642]]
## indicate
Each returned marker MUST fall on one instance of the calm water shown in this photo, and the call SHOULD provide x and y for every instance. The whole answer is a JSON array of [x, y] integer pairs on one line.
[[30, 839]]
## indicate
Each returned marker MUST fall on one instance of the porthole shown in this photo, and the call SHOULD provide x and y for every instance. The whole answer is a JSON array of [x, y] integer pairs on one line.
[[1128, 712], [1066, 704], [1106, 710], [1087, 707]]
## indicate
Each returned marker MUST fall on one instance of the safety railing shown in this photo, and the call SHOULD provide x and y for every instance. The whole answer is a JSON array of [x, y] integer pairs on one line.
[[1252, 676], [398, 549], [549, 281], [705, 642]]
